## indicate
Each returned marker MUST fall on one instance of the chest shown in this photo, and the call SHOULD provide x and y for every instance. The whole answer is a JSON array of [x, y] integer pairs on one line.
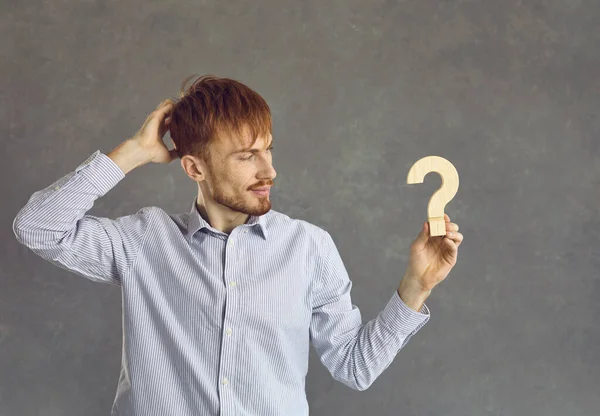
[[252, 282]]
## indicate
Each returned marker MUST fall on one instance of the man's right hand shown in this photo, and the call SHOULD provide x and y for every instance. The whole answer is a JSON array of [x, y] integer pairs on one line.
[[147, 144], [150, 136]]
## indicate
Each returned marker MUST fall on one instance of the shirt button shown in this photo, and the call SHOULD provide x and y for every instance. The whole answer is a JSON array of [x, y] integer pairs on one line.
[[225, 381], [56, 188], [232, 283], [228, 331], [230, 243]]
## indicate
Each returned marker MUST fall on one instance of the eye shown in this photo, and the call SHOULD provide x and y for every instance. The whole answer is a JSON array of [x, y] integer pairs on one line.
[[252, 155]]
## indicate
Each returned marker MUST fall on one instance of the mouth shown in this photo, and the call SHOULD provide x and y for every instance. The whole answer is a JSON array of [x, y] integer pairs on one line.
[[262, 191]]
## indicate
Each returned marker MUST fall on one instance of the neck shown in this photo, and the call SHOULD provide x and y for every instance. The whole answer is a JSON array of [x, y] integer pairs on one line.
[[220, 217]]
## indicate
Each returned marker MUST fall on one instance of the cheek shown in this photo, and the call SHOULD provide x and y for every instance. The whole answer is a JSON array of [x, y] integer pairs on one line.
[[239, 176], [236, 184], [244, 177]]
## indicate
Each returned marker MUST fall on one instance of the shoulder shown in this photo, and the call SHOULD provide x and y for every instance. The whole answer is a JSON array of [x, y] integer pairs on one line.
[[157, 218]]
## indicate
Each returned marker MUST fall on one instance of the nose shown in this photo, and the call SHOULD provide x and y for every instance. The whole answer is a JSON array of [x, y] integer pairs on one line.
[[268, 171]]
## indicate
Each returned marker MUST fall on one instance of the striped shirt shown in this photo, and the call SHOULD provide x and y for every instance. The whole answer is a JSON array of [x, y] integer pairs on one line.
[[214, 323]]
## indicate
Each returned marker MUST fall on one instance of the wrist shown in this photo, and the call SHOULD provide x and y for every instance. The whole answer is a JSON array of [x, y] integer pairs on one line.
[[412, 293], [129, 155]]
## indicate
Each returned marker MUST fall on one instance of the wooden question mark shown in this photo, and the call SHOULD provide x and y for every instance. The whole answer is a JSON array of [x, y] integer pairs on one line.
[[438, 201]]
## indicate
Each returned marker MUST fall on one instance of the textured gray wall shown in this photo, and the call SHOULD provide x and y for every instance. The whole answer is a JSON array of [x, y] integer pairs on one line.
[[507, 90]]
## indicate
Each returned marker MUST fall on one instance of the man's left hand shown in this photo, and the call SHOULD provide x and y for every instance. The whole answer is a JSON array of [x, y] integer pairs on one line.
[[432, 258]]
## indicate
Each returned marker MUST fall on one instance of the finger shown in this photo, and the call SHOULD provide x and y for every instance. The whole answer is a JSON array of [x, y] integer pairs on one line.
[[451, 226], [454, 236], [165, 102], [452, 246], [157, 117], [165, 107], [160, 116], [423, 235], [446, 217]]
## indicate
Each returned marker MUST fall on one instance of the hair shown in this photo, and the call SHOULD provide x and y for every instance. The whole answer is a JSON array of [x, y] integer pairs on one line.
[[214, 108]]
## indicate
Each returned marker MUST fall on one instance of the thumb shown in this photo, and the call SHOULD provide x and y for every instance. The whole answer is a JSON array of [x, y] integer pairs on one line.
[[423, 234], [425, 231]]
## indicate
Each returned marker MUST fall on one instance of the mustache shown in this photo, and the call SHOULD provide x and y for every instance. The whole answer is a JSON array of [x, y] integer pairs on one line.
[[260, 185]]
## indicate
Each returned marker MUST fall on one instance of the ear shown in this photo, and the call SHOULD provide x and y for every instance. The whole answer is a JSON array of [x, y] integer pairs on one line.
[[194, 168]]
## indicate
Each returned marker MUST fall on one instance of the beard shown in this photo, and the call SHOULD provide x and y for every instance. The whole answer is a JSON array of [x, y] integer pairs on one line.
[[246, 202]]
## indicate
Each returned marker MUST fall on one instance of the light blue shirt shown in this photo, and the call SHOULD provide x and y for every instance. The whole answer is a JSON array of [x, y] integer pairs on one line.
[[215, 323]]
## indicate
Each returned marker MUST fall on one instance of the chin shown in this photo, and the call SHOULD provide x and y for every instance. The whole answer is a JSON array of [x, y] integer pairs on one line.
[[261, 209]]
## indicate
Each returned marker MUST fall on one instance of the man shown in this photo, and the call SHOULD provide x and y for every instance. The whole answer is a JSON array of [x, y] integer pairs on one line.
[[221, 304]]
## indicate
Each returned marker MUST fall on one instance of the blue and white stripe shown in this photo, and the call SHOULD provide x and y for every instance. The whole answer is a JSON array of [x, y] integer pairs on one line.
[[214, 323]]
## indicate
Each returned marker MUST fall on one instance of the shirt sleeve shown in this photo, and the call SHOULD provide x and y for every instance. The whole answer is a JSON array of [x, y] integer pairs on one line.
[[356, 354], [55, 226]]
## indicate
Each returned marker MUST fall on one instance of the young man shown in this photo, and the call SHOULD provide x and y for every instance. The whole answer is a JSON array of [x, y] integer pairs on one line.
[[221, 304]]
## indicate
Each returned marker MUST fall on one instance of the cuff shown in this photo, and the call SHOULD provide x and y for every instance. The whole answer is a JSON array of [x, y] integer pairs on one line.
[[402, 319]]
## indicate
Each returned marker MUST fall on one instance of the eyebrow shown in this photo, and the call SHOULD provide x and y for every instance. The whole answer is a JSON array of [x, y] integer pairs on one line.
[[252, 150]]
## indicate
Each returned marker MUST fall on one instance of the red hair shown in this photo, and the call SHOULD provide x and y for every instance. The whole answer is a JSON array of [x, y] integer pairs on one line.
[[214, 108]]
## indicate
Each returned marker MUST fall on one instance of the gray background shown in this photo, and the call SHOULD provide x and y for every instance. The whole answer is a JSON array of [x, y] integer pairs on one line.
[[507, 90]]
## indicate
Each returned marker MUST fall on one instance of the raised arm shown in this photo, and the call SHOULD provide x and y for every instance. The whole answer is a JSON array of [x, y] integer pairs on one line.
[[54, 222]]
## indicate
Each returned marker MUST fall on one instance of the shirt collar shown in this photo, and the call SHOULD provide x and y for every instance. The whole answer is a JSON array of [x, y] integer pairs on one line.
[[196, 222]]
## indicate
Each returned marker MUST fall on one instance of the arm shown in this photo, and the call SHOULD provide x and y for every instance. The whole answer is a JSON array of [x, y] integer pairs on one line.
[[54, 223], [55, 226], [356, 354]]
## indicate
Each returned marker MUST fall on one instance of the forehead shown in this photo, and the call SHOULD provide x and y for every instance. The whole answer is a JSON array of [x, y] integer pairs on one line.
[[232, 143]]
